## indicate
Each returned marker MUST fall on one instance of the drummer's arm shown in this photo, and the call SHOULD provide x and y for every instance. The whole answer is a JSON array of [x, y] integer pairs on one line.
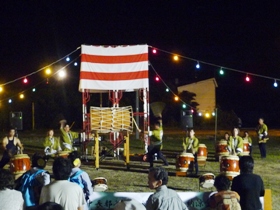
[[19, 144], [4, 143], [184, 145]]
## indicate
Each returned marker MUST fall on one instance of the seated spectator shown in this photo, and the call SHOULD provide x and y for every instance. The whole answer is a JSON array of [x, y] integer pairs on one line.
[[163, 198], [51, 144], [10, 199], [129, 204], [224, 198], [50, 206], [249, 186], [81, 177], [32, 181], [61, 191]]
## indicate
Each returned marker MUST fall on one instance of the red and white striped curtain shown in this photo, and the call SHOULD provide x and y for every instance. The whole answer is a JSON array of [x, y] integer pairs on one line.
[[114, 68]]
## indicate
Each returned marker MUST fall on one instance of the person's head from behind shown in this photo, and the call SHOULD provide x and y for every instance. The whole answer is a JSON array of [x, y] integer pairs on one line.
[[38, 161], [157, 177], [50, 206], [74, 157], [246, 164], [222, 182], [7, 179], [62, 168]]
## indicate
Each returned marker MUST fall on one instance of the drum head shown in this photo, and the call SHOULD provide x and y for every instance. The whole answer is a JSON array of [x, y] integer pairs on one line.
[[207, 180]]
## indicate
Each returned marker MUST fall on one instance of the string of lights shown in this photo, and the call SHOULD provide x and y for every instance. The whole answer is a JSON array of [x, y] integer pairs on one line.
[[176, 57]]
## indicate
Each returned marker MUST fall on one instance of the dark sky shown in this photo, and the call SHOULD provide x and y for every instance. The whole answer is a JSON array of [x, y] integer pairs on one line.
[[243, 35]]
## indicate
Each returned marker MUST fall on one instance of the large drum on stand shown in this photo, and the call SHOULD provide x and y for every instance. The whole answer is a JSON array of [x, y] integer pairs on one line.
[[246, 148], [185, 162], [19, 164], [202, 155], [229, 166], [221, 149]]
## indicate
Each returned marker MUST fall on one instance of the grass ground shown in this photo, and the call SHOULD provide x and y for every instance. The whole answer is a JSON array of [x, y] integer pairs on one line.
[[135, 180]]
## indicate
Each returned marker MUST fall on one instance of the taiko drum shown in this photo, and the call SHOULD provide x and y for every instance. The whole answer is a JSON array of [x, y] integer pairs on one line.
[[221, 149], [184, 162], [246, 148], [229, 165], [19, 164], [202, 154]]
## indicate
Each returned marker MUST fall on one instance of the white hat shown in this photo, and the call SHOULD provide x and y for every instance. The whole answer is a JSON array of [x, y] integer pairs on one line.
[[129, 204]]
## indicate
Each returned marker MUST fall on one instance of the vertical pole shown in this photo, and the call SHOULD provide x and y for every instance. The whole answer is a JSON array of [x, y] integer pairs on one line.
[[33, 116], [96, 151], [137, 111], [127, 150], [216, 123]]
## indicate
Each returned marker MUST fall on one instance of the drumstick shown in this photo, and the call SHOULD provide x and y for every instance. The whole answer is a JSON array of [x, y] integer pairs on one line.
[[136, 125], [72, 124]]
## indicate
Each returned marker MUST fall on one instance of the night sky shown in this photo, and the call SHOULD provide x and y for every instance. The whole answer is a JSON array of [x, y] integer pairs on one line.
[[242, 35]]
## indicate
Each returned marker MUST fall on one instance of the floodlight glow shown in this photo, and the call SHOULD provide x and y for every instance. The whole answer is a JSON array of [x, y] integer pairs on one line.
[[10, 101], [207, 115], [62, 73], [199, 114]]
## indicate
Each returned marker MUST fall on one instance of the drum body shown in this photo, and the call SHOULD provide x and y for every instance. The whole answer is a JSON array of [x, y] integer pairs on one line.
[[246, 149], [229, 165], [20, 163], [185, 162], [63, 154], [207, 180], [202, 155], [221, 149], [99, 184]]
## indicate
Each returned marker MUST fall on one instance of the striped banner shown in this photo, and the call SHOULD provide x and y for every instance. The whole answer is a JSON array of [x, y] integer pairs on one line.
[[114, 68]]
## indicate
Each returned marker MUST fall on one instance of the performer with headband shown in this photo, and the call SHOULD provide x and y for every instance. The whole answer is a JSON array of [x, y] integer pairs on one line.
[[190, 145], [67, 136], [10, 145], [235, 143]]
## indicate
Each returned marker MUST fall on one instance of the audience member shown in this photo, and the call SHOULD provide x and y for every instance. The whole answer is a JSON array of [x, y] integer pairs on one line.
[[81, 177], [224, 198], [61, 191], [262, 132], [163, 198], [50, 206], [129, 204], [10, 199], [248, 185], [32, 181], [10, 145]]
